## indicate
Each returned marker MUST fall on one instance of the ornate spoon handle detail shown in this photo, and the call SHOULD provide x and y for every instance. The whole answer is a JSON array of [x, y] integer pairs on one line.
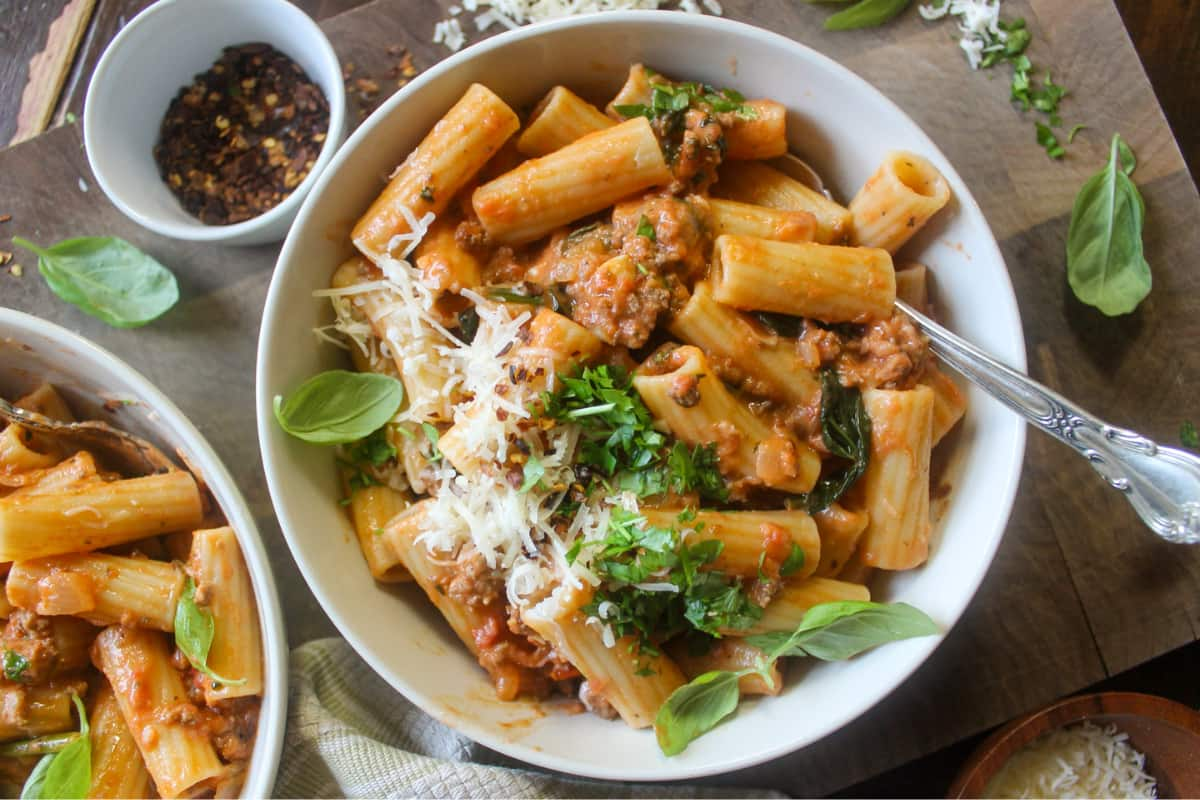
[[1162, 483]]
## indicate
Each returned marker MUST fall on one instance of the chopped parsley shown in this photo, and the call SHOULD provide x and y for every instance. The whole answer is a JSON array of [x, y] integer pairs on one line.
[[361, 458], [618, 429], [667, 100], [1188, 435], [794, 561], [1008, 46], [15, 666], [654, 587], [1047, 139], [621, 443], [645, 228], [427, 194]]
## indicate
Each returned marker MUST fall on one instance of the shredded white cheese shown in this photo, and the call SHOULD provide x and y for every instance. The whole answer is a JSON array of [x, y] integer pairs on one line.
[[979, 22], [1080, 761], [513, 14]]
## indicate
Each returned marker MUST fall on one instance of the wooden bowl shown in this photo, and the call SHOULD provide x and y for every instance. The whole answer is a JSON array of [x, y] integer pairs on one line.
[[1166, 731]]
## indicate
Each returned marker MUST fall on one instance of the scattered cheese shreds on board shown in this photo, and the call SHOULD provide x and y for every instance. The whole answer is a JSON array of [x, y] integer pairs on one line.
[[512, 14], [979, 21], [1080, 761]]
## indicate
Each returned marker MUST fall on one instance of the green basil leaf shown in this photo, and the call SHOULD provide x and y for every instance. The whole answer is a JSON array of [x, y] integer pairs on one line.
[[695, 708], [15, 665], [339, 406], [32, 790], [865, 14], [67, 774], [836, 631], [1106, 266], [108, 278], [846, 430], [1075, 132], [194, 631]]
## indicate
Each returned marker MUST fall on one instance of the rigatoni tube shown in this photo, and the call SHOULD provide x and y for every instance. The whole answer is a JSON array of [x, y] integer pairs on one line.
[[582, 178], [462, 141], [745, 219], [895, 486], [753, 541], [897, 201], [149, 690], [223, 585], [633, 682], [787, 609], [559, 119], [682, 391], [117, 767], [95, 515], [825, 282], [768, 364], [756, 183], [101, 588]]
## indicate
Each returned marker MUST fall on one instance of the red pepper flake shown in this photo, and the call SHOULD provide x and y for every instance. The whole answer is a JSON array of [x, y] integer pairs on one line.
[[243, 136]]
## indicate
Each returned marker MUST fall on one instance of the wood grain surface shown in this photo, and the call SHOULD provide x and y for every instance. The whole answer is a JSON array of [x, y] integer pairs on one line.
[[1079, 589]]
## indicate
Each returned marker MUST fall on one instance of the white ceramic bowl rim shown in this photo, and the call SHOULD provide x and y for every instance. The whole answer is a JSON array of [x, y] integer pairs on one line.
[[200, 231], [260, 777], [989, 533]]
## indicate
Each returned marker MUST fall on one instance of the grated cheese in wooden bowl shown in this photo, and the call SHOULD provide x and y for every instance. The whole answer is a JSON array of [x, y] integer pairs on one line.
[[1079, 761]]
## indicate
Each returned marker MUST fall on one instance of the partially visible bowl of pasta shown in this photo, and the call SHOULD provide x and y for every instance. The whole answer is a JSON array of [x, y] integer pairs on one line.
[[140, 594], [674, 323]]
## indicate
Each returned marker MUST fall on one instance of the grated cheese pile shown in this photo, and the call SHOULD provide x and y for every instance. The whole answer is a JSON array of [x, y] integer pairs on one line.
[[1080, 761], [479, 507], [513, 14], [979, 22]]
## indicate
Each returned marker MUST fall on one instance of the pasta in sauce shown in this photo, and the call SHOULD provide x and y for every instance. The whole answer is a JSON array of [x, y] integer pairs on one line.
[[98, 570], [657, 392]]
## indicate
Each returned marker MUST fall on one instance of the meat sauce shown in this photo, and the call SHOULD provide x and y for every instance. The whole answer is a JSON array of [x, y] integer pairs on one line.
[[622, 275]]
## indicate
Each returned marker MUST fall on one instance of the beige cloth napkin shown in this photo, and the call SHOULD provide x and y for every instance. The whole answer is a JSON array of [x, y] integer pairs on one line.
[[350, 735]]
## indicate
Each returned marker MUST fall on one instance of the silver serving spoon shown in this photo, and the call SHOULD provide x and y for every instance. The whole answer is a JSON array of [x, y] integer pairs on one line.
[[1162, 483], [120, 450]]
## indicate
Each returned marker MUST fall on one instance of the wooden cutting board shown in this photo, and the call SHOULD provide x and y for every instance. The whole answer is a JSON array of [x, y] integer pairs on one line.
[[1079, 589]]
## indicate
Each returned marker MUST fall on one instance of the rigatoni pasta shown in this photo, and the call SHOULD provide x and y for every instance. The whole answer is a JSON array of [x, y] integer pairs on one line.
[[108, 586], [658, 398]]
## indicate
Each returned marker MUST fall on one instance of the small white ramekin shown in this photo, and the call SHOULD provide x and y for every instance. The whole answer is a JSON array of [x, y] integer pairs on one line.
[[33, 350], [158, 53]]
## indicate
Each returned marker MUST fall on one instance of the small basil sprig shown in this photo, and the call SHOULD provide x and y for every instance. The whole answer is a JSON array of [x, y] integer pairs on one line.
[[108, 278], [864, 14], [1106, 266], [339, 406], [829, 631], [194, 631], [67, 774]]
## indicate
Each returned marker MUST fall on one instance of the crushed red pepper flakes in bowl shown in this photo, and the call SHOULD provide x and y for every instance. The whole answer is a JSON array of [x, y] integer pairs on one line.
[[243, 136]]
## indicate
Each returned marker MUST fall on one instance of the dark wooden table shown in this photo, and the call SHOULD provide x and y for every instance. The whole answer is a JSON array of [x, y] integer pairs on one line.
[[1078, 594]]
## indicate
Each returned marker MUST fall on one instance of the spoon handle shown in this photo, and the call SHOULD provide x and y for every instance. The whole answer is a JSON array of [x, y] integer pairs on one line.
[[1162, 483]]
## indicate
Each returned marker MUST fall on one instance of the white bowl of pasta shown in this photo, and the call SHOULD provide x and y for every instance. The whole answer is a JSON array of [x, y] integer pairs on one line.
[[609, 442], [128, 587]]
